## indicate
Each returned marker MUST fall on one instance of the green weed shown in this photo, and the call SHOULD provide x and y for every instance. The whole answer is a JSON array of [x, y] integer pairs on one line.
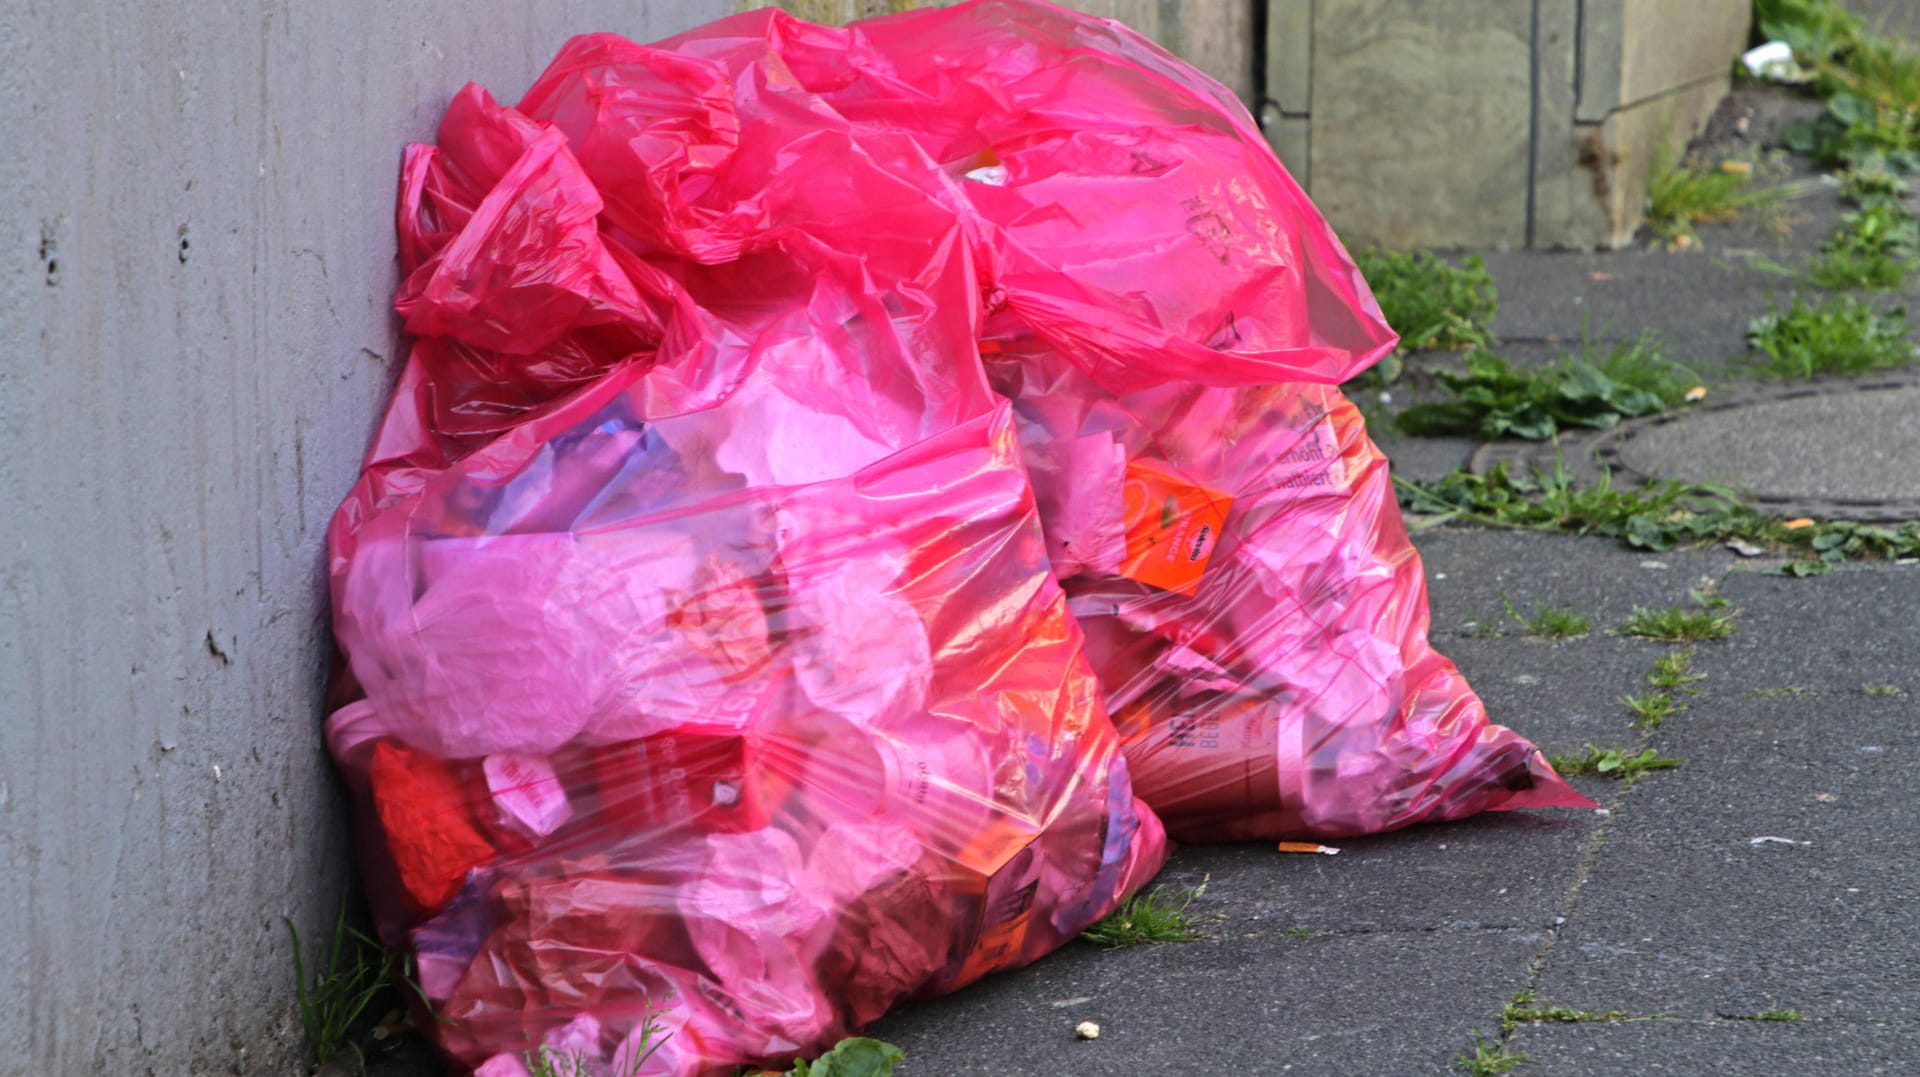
[[1779, 1015], [1485, 626], [1612, 762], [1431, 303], [1818, 30], [1842, 540], [1147, 918], [1493, 399], [1651, 709], [1871, 85], [1803, 569], [354, 972], [1867, 186], [1550, 622], [1489, 1059], [1673, 671], [1558, 622], [547, 1061], [1852, 133], [1842, 265], [1708, 597], [1872, 248], [1840, 336], [1657, 516], [1683, 193], [1883, 689], [1677, 624], [852, 1057], [1873, 105], [1523, 1011]]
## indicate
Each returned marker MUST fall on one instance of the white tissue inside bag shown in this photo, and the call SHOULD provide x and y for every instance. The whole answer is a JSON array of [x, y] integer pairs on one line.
[[991, 175]]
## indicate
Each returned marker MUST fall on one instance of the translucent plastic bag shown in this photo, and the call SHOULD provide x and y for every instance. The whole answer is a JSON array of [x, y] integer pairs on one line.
[[706, 660], [1255, 611], [1162, 301], [710, 673]]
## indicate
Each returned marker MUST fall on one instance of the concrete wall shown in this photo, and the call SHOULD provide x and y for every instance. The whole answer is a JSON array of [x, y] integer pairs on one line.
[[196, 257], [1646, 72], [1420, 120], [1490, 123]]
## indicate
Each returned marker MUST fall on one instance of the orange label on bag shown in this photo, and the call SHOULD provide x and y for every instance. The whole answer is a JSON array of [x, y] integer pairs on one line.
[[1172, 527]]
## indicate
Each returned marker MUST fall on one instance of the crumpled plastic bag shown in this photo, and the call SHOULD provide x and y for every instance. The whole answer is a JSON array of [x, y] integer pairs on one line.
[[708, 684], [706, 669], [1255, 611], [1169, 314]]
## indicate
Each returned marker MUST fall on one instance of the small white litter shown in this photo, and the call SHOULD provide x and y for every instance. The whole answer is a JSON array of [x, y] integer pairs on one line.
[[1774, 62]]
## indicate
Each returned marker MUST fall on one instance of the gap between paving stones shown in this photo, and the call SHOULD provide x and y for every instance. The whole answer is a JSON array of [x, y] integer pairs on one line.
[[1612, 802], [1695, 825], [1720, 702]]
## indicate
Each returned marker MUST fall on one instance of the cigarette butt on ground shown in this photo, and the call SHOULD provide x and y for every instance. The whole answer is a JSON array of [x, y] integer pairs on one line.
[[1307, 847]]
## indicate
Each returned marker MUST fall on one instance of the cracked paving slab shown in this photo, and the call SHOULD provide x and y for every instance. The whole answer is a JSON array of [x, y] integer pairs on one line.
[[1469, 569], [1684, 912], [1859, 625], [1561, 696]]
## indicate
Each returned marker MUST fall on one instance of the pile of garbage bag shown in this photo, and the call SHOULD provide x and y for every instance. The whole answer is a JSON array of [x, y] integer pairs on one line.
[[848, 487]]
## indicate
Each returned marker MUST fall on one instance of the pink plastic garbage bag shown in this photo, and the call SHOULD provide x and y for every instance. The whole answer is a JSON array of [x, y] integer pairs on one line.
[[1168, 312], [706, 670], [708, 682], [1232, 548], [1132, 213], [1256, 613]]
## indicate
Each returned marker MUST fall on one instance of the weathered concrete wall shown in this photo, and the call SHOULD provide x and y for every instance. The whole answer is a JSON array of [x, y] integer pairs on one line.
[[1649, 72], [196, 256], [1420, 123], [1421, 120]]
